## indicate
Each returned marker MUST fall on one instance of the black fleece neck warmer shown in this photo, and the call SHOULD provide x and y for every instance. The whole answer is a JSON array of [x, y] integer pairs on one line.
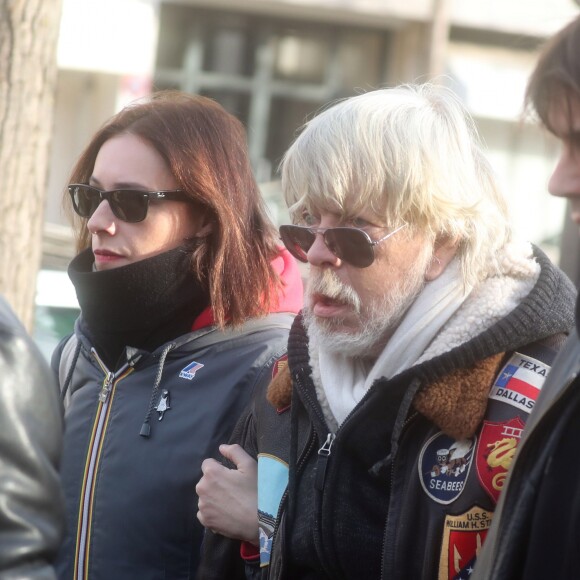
[[142, 305]]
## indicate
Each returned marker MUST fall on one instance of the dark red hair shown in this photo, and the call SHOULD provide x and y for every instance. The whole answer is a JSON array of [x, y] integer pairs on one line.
[[206, 151]]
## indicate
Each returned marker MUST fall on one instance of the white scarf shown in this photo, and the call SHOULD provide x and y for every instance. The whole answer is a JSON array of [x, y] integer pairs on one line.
[[341, 381]]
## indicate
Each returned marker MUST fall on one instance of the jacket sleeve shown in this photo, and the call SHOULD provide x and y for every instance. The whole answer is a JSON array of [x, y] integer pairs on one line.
[[220, 556], [31, 508]]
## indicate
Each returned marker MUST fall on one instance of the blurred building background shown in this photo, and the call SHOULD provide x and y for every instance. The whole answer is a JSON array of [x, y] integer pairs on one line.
[[275, 63]]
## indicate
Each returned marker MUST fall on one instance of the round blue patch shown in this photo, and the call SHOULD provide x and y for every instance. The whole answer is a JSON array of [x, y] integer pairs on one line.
[[444, 465]]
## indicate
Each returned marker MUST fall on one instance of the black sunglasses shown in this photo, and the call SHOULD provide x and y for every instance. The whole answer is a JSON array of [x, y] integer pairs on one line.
[[349, 244], [129, 205]]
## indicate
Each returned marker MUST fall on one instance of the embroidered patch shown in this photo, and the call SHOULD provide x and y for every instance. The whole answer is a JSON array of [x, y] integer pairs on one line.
[[520, 381], [280, 365], [189, 371], [495, 452], [272, 483], [463, 536], [444, 465]]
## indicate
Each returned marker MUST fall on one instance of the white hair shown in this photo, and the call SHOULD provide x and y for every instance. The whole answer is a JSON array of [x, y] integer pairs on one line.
[[409, 154]]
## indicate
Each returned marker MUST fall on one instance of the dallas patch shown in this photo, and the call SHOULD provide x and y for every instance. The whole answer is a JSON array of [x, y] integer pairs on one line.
[[495, 452], [189, 371], [272, 483], [520, 381], [444, 465], [463, 536]]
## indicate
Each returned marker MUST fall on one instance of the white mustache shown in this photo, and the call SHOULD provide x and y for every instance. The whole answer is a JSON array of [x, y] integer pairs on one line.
[[327, 283]]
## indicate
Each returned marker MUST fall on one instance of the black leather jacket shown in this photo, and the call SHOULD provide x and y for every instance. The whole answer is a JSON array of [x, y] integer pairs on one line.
[[31, 511]]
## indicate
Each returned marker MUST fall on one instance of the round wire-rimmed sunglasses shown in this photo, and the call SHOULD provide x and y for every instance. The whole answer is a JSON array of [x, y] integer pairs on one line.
[[129, 205], [351, 245]]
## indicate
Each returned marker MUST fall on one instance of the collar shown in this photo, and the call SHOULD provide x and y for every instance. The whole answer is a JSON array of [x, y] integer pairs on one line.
[[143, 305], [290, 294]]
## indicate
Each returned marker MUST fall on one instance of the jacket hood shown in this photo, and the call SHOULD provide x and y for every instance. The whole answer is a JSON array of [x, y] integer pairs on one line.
[[455, 400], [547, 310], [290, 297], [451, 401]]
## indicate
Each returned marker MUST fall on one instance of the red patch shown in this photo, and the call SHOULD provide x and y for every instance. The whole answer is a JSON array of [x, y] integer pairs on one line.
[[495, 451], [463, 536], [280, 365]]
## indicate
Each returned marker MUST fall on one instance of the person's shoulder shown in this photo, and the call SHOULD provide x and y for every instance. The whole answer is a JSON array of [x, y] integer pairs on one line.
[[9, 322], [16, 339], [555, 286]]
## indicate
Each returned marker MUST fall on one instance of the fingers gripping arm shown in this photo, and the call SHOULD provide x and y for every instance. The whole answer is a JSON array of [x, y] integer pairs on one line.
[[228, 501]]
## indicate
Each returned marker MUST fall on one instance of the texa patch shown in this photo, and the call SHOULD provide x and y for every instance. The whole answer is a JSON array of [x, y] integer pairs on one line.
[[272, 483], [495, 452], [463, 536], [520, 381], [444, 465], [189, 371]]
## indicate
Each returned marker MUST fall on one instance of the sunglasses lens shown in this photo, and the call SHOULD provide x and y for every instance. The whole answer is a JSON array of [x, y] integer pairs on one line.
[[297, 240], [129, 206], [350, 245], [85, 200]]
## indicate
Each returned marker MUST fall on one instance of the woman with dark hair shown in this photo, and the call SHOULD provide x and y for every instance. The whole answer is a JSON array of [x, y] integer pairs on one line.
[[186, 301]]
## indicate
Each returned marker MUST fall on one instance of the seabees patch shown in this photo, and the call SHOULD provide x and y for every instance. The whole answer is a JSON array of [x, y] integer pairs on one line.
[[520, 381], [463, 536], [495, 452], [444, 464]]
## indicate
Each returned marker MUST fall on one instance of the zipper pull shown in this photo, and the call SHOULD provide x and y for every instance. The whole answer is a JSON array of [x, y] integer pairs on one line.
[[163, 404], [107, 386], [321, 464]]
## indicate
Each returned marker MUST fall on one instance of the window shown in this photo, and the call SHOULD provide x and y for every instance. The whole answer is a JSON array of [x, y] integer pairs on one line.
[[272, 74]]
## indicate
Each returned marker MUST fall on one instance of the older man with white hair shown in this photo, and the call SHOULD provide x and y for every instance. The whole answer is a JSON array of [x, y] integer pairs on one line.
[[384, 439]]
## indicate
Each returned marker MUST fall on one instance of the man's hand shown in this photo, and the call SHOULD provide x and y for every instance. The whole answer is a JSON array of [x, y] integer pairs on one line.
[[228, 498]]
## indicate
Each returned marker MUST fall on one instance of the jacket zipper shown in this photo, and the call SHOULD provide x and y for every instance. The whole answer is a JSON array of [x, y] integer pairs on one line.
[[325, 451], [384, 546], [93, 455], [322, 462], [321, 469]]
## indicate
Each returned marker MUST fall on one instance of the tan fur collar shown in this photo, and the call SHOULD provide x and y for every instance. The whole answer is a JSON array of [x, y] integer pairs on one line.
[[457, 402]]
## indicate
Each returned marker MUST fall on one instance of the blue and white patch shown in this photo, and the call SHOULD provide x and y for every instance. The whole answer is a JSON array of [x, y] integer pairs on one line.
[[272, 483], [444, 466], [189, 371]]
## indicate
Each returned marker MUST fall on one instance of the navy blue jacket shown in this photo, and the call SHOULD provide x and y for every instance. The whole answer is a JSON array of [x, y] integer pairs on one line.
[[135, 440]]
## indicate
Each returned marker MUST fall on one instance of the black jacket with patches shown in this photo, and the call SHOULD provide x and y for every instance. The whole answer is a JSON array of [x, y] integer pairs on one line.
[[407, 486], [536, 529]]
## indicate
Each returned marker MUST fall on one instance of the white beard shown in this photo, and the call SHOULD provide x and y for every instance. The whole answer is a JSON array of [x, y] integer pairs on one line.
[[376, 320]]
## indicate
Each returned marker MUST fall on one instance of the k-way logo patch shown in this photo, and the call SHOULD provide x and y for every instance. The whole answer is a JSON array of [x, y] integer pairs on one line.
[[463, 536], [520, 381], [495, 452], [444, 465], [189, 371]]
